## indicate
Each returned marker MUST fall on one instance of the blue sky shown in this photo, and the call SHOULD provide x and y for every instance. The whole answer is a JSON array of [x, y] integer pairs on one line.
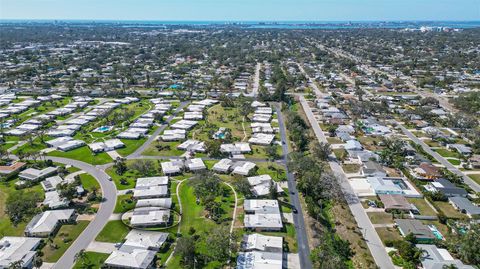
[[242, 10]]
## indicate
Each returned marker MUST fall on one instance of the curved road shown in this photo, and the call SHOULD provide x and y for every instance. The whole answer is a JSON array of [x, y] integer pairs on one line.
[[109, 193]]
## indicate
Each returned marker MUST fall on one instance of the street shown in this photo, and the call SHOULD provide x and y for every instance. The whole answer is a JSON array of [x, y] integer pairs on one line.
[[298, 220], [370, 235]]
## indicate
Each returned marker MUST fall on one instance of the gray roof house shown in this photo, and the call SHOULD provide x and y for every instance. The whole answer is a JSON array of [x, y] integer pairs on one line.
[[437, 258], [47, 223], [421, 231], [14, 249], [464, 205], [135, 259]]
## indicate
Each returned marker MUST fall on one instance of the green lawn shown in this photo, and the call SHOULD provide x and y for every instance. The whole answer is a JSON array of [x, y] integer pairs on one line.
[[131, 175], [36, 146], [6, 227], [351, 168], [93, 260], [89, 182], [449, 210], [114, 232], [62, 241], [422, 206], [167, 149], [388, 234], [130, 146], [83, 154], [475, 177], [454, 162], [447, 153], [124, 203], [275, 170], [380, 217], [288, 235]]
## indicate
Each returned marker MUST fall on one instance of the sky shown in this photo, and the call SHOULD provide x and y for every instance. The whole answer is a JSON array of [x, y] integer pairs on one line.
[[242, 10]]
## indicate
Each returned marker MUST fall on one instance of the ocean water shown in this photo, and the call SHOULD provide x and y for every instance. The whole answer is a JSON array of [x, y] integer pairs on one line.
[[259, 24]]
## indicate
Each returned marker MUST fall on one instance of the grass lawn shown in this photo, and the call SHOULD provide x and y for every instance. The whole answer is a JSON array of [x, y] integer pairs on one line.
[[131, 175], [83, 154], [114, 232], [340, 153], [36, 146], [64, 238], [350, 168], [388, 234], [167, 149], [89, 182], [475, 177], [447, 153], [288, 235], [124, 203], [6, 227], [259, 152], [93, 260], [380, 217], [424, 208], [449, 210], [130, 146], [275, 170], [454, 162], [334, 140], [230, 118]]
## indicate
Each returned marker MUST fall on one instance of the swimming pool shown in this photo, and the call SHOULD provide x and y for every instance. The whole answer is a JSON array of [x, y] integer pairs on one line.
[[435, 232], [103, 129]]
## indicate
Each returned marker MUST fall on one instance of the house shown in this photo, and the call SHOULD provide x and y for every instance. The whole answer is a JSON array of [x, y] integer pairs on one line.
[[150, 217], [134, 259], [260, 242], [262, 215], [259, 259], [144, 182], [150, 192], [11, 169], [184, 124], [460, 148], [421, 231], [223, 166], [173, 135], [192, 146], [464, 205], [155, 202], [427, 171], [32, 174], [436, 258], [393, 185], [261, 139], [372, 168], [195, 164], [260, 185], [47, 223], [243, 168], [353, 145], [18, 249], [395, 202], [475, 161], [54, 201], [50, 183], [172, 167], [446, 187], [139, 239], [236, 148]]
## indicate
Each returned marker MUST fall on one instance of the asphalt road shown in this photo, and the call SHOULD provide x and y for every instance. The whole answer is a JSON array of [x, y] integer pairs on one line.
[[109, 192], [370, 235], [440, 159], [152, 137], [298, 220]]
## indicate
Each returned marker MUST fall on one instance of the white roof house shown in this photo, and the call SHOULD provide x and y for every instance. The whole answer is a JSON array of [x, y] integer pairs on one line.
[[193, 115], [129, 135], [262, 215], [260, 185], [259, 259], [144, 240], [173, 135], [184, 124], [172, 167], [261, 139], [14, 249], [33, 174], [223, 166], [155, 202], [192, 146], [353, 145], [136, 258], [261, 118], [236, 148], [50, 183], [54, 201], [150, 192], [149, 217], [195, 164], [108, 145], [436, 258], [151, 181], [260, 242], [243, 168], [45, 223], [71, 145], [262, 127]]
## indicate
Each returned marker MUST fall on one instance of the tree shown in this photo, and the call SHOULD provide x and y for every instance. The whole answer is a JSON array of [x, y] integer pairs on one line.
[[206, 184], [20, 205], [272, 153], [241, 185], [220, 243], [81, 256], [67, 190], [16, 265], [467, 246], [185, 248], [120, 166], [213, 148], [321, 150]]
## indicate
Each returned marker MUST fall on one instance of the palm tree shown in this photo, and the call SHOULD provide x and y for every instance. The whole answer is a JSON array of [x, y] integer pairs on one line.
[[81, 256]]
